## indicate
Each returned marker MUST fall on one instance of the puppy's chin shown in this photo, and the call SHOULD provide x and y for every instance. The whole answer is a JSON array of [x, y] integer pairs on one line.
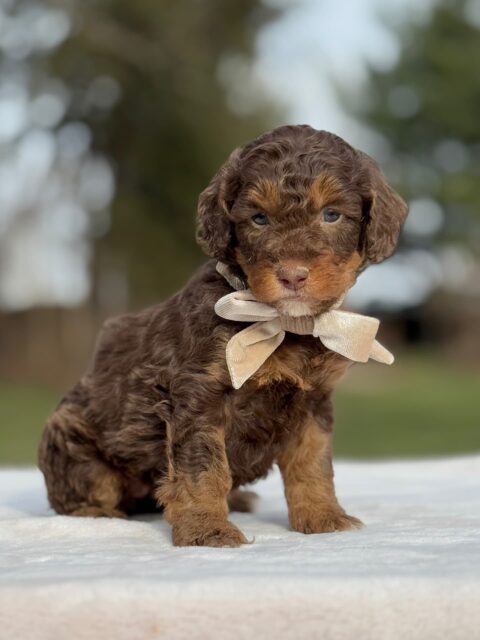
[[294, 308]]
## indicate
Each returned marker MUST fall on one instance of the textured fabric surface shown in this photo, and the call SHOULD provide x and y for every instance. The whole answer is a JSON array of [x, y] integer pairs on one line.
[[349, 334], [413, 572]]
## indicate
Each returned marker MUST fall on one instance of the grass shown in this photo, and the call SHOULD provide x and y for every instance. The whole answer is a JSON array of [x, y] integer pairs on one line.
[[23, 410], [420, 406]]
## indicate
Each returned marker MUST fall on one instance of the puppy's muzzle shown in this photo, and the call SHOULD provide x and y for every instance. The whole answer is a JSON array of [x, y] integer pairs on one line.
[[292, 276]]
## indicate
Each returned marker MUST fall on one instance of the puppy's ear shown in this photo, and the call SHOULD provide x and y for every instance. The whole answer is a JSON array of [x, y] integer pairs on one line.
[[214, 227], [385, 212]]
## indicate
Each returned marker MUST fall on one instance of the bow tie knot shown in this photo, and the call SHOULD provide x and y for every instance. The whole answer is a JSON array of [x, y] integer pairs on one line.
[[302, 325]]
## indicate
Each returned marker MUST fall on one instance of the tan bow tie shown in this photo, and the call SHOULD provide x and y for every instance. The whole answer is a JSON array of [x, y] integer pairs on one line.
[[349, 334]]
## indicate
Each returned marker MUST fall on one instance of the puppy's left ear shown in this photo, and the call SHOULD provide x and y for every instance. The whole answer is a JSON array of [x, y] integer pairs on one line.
[[385, 212], [214, 227]]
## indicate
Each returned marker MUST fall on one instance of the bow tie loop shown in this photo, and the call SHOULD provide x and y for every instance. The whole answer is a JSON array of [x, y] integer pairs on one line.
[[242, 307]]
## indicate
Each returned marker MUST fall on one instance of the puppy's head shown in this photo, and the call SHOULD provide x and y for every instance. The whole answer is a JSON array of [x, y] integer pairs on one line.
[[301, 213]]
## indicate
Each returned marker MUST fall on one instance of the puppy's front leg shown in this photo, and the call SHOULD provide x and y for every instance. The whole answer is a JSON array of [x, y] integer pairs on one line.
[[195, 492], [306, 467]]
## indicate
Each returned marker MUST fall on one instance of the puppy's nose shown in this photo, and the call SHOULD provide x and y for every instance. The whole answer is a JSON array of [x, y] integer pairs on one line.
[[293, 276]]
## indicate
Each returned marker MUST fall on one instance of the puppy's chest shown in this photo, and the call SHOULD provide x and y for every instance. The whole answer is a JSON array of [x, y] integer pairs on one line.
[[304, 362]]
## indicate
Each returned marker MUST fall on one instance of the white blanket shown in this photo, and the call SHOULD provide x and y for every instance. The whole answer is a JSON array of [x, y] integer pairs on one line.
[[413, 572]]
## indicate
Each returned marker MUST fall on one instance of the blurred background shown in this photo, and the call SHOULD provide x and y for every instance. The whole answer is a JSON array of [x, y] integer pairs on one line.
[[115, 114]]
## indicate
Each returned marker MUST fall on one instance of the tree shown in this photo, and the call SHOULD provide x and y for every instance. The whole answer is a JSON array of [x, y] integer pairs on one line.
[[426, 108], [144, 76]]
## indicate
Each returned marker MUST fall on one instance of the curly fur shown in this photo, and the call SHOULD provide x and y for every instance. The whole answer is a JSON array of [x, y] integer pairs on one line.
[[155, 424]]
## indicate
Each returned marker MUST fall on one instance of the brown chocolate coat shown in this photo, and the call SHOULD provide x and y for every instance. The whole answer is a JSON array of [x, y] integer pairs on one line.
[[155, 422]]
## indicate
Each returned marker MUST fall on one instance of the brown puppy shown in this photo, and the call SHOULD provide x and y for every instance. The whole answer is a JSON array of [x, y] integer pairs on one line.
[[296, 215]]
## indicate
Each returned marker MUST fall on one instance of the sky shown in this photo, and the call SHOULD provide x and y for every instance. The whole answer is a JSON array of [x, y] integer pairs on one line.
[[320, 43]]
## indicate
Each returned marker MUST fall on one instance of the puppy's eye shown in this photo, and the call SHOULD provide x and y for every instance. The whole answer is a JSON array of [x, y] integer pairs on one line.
[[329, 215], [260, 219]]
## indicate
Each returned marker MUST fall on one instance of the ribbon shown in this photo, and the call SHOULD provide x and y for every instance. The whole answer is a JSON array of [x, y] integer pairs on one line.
[[350, 334]]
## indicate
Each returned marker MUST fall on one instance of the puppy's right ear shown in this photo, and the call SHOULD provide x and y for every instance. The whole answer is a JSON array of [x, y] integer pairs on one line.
[[214, 227]]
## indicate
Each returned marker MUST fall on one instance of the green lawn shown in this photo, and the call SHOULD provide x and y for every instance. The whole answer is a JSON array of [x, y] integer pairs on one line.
[[23, 410], [420, 406]]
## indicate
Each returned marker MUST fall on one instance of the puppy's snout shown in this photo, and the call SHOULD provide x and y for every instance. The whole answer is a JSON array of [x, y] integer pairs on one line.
[[292, 276]]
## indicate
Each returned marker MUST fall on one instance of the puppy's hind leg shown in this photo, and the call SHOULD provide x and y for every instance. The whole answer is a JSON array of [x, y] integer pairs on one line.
[[242, 500], [104, 493], [79, 482], [97, 512]]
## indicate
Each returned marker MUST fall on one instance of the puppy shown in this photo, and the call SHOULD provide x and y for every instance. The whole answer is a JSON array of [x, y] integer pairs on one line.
[[155, 422]]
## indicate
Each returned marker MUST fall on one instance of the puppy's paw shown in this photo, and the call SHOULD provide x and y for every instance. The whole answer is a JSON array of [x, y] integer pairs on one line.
[[226, 536], [221, 534], [324, 521]]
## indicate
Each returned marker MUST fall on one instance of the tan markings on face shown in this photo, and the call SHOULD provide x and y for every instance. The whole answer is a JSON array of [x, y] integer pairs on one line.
[[262, 279], [329, 277], [325, 189], [265, 195]]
